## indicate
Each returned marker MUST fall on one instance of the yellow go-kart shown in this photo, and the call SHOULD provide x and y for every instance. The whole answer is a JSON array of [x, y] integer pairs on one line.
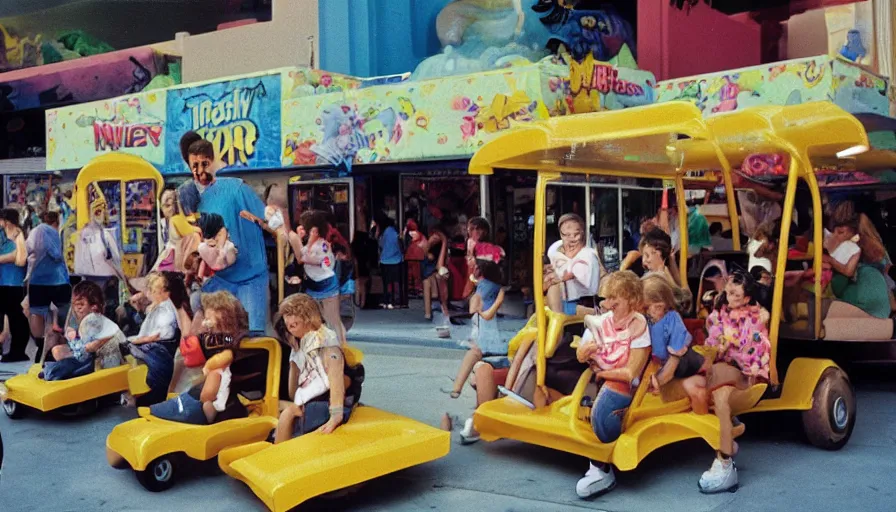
[[664, 142], [79, 395], [130, 177], [372, 442], [155, 448]]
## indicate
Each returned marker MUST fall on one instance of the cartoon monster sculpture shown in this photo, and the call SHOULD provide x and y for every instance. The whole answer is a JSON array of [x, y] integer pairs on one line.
[[479, 35]]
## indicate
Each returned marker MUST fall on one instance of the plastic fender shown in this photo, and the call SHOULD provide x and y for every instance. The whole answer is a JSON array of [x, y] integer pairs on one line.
[[137, 380], [143, 440], [645, 436], [46, 396], [799, 385], [371, 444]]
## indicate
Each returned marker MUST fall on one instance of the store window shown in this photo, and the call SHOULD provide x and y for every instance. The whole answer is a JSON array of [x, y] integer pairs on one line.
[[450, 200], [332, 196]]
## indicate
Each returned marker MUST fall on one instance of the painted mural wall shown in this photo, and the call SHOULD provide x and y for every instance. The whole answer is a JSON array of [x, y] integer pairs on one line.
[[19, 50], [240, 116], [449, 117], [784, 83], [305, 117], [101, 76]]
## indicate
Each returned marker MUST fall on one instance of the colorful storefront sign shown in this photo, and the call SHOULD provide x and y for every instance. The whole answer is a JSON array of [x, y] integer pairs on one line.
[[130, 124], [298, 117], [596, 86], [440, 118], [784, 83], [240, 117]]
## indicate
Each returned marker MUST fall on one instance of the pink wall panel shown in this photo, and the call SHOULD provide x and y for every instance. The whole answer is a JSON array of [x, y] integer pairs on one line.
[[674, 43]]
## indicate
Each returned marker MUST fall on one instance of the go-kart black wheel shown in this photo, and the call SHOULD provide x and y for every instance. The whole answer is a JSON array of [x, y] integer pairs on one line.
[[830, 421], [80, 409], [13, 409], [158, 475]]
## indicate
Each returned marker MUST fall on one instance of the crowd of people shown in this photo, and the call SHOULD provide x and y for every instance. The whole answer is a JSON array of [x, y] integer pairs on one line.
[[208, 291], [640, 318]]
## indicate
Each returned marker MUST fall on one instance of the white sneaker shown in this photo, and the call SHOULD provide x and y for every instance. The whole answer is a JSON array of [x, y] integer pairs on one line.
[[721, 477], [468, 435], [595, 482]]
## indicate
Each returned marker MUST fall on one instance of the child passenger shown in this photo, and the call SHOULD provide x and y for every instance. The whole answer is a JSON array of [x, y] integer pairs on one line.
[[486, 342], [322, 385], [740, 352], [167, 314], [671, 342], [93, 344], [224, 325], [616, 345]]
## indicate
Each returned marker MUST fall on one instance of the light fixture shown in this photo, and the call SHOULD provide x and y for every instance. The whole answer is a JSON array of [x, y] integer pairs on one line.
[[853, 151]]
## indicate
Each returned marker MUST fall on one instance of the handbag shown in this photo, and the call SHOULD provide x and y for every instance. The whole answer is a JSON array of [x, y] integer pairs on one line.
[[191, 351]]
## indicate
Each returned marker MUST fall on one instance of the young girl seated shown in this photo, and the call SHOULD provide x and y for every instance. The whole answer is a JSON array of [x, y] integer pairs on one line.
[[853, 282], [671, 342], [616, 345], [485, 343], [322, 386], [224, 325], [739, 354], [94, 342]]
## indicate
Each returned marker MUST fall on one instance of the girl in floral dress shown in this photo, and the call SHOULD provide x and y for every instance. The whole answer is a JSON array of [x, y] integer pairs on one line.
[[740, 351]]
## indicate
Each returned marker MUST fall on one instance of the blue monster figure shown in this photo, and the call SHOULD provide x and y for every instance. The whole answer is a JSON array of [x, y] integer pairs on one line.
[[853, 50], [601, 33]]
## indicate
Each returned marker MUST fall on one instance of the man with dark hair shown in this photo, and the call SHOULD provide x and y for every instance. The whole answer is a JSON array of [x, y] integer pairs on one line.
[[247, 278]]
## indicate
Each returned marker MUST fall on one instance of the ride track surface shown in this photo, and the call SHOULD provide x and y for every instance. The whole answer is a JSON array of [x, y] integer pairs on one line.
[[779, 470]]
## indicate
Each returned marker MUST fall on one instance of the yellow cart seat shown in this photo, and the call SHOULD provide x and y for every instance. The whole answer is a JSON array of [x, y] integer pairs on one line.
[[46, 396], [142, 440], [371, 444], [649, 424]]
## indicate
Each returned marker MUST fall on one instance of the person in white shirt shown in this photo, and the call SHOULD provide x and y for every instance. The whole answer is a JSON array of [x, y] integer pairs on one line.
[[574, 271], [319, 261], [323, 386]]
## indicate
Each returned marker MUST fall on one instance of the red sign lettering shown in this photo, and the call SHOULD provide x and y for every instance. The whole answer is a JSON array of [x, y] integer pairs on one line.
[[606, 80], [114, 136]]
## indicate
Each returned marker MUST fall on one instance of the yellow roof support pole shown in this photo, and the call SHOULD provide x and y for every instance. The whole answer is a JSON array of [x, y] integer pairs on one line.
[[538, 252], [123, 193], [682, 230], [781, 265], [817, 236], [729, 197]]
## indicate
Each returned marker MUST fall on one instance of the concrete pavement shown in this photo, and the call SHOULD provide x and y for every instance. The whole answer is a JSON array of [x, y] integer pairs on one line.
[[58, 464], [409, 327]]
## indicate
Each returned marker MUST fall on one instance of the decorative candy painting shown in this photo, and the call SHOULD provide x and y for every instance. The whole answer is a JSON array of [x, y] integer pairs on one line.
[[129, 124], [784, 83], [439, 118]]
